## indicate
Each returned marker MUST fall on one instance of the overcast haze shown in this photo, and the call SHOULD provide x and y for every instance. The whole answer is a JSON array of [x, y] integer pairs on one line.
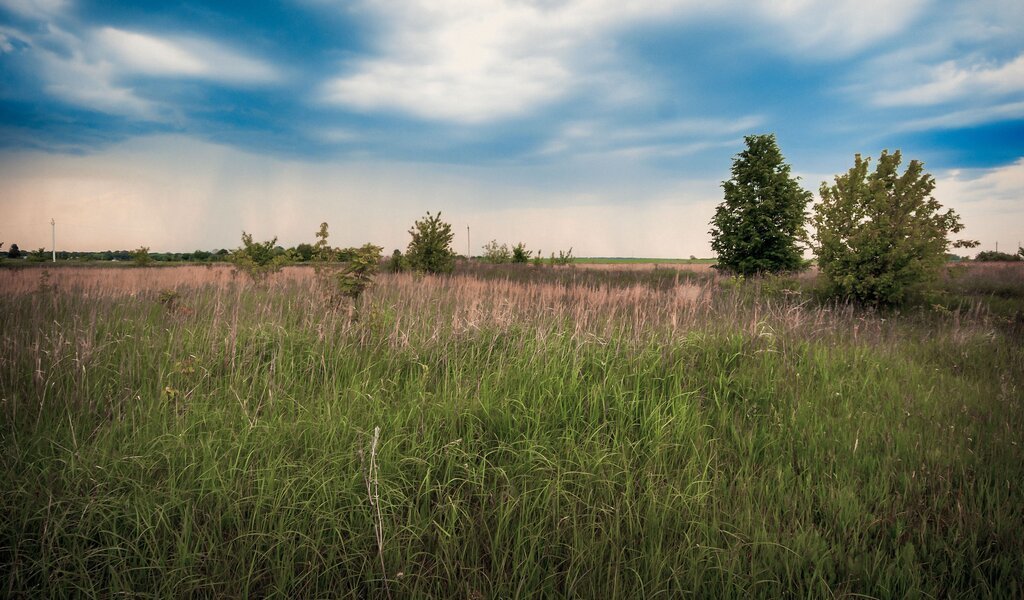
[[602, 125]]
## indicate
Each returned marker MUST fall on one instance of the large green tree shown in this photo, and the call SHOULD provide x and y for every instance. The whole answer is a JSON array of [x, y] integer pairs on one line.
[[430, 249], [881, 236], [759, 225]]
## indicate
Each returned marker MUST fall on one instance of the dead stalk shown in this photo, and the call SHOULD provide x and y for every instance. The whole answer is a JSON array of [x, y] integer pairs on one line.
[[373, 493]]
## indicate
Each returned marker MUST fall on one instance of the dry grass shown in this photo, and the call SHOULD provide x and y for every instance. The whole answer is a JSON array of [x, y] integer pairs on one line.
[[624, 266], [120, 281]]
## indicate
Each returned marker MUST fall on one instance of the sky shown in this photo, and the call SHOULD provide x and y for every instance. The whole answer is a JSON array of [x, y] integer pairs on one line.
[[601, 125]]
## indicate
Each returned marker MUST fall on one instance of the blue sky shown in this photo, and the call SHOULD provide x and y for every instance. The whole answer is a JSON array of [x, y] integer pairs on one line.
[[603, 125]]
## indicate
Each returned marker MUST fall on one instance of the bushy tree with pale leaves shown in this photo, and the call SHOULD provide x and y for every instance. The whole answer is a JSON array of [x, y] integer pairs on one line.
[[881, 236]]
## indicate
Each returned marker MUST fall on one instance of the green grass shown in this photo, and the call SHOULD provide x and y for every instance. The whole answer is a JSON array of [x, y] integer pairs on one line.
[[760, 446]]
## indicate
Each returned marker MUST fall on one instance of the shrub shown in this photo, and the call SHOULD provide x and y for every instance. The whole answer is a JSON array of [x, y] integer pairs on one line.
[[563, 258], [141, 256], [258, 260], [495, 254], [358, 273], [520, 255]]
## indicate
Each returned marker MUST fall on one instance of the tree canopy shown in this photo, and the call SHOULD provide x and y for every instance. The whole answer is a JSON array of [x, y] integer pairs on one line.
[[759, 225], [880, 235]]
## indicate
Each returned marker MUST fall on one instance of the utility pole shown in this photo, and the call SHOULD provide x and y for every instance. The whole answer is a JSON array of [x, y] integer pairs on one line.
[[468, 255], [53, 238]]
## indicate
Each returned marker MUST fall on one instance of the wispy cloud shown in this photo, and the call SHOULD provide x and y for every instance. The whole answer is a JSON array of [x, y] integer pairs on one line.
[[92, 84], [679, 137], [966, 117], [177, 56], [1000, 187], [953, 80], [98, 67], [482, 60], [35, 9], [831, 29], [989, 201]]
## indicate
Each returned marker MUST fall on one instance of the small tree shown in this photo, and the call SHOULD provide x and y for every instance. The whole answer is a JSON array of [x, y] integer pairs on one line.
[[881, 235], [141, 256], [257, 259], [358, 273], [759, 225], [322, 251], [14, 251], [323, 255], [495, 254], [563, 258], [520, 255], [431, 247]]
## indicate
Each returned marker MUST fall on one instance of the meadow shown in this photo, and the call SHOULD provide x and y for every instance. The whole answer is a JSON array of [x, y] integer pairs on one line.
[[507, 432]]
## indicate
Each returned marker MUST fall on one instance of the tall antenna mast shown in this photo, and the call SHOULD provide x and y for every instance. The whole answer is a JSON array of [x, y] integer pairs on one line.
[[468, 255], [53, 236]]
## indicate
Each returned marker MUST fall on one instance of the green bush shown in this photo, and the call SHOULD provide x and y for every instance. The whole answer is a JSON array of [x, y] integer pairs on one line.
[[496, 254], [258, 260], [520, 255]]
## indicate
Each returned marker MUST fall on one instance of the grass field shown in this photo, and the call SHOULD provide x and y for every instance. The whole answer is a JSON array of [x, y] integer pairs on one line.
[[504, 432]]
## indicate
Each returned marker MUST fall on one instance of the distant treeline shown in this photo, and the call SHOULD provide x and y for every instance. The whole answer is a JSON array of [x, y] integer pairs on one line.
[[298, 254], [43, 255]]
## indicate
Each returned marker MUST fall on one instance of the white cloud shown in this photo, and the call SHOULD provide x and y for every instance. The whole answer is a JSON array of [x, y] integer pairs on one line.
[[953, 81], [674, 138], [967, 117], [990, 202], [841, 27], [93, 68], [962, 67], [35, 9], [473, 61], [93, 84], [156, 56], [461, 61]]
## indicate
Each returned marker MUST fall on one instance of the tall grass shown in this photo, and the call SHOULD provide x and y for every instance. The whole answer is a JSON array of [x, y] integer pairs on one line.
[[545, 436]]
